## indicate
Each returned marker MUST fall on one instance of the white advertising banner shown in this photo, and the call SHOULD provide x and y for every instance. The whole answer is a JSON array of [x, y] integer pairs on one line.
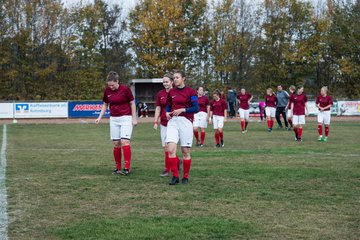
[[41, 109], [349, 108], [6, 110]]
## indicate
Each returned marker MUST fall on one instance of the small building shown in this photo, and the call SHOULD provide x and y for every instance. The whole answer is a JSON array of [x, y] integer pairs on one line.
[[145, 90]]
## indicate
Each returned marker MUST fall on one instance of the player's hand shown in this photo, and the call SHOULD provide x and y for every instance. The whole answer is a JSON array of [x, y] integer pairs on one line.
[[225, 119], [155, 125], [97, 121], [177, 112], [134, 122], [209, 120], [168, 115], [306, 113]]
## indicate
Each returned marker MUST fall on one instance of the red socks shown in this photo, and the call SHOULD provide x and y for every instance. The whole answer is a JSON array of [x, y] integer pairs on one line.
[[221, 135], [196, 134], [272, 123], [296, 131], [327, 131], [299, 132], [320, 129], [242, 125], [290, 122], [202, 139], [173, 164], [246, 124], [217, 138], [186, 166], [117, 157], [127, 156]]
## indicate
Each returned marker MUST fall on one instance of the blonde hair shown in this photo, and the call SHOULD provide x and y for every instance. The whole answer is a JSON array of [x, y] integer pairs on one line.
[[269, 90], [325, 88]]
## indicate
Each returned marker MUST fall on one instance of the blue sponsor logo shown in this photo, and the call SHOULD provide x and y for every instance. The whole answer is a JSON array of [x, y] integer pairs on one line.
[[22, 108]]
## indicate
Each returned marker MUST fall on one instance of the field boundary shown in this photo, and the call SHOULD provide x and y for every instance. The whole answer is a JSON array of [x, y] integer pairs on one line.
[[3, 195]]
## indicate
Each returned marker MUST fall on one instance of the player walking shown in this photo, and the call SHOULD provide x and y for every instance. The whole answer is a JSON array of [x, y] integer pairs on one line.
[[160, 113], [218, 111], [288, 107], [244, 99], [324, 103], [122, 119], [270, 109], [182, 103], [202, 117], [300, 109]]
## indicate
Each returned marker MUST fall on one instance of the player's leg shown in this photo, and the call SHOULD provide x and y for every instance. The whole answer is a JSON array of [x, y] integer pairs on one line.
[[186, 143], [166, 171], [172, 138], [320, 119], [268, 118], [203, 125], [283, 113], [202, 136], [327, 117], [220, 129], [277, 116], [242, 119], [301, 123], [126, 132], [289, 119], [272, 112], [115, 137], [247, 118], [196, 124], [296, 126]]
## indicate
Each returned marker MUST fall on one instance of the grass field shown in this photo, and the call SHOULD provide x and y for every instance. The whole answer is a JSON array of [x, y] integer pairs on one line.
[[260, 186]]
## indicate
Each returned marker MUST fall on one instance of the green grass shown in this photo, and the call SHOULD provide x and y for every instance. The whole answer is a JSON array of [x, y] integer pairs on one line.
[[260, 186]]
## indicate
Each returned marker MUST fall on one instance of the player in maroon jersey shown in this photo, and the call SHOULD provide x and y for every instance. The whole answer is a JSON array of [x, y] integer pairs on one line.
[[288, 107], [160, 113], [300, 109], [202, 117], [122, 119], [244, 99], [182, 103], [218, 111], [270, 109], [324, 103]]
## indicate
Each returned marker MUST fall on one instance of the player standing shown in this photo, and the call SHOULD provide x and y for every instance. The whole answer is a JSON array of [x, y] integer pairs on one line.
[[160, 113], [288, 107], [300, 109], [202, 117], [182, 103], [324, 103], [122, 119], [218, 111], [270, 109], [244, 99]]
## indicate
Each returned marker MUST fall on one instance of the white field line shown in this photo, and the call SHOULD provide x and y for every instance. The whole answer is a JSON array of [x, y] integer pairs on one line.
[[3, 195]]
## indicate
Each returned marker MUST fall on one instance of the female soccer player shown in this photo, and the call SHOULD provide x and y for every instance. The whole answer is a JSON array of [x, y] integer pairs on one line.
[[160, 113], [244, 99], [270, 109], [300, 109], [288, 107], [324, 103], [218, 111], [202, 117], [122, 119], [182, 103]]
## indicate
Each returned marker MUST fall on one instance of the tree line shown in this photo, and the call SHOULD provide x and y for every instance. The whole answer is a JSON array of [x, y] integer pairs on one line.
[[50, 51]]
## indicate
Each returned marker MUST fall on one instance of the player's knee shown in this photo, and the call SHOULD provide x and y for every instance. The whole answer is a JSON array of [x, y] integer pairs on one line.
[[125, 142], [117, 144]]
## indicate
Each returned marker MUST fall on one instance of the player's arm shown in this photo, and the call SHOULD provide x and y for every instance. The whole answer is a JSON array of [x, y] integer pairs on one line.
[[292, 106], [251, 98], [210, 115], [193, 109], [133, 112], [225, 115], [306, 109], [102, 112], [157, 116], [208, 112]]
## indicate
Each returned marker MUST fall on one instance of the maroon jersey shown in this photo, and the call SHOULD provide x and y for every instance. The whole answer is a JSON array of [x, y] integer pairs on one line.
[[218, 107], [324, 101], [181, 98], [161, 99], [290, 98], [244, 100], [119, 100], [271, 101], [203, 103], [299, 104]]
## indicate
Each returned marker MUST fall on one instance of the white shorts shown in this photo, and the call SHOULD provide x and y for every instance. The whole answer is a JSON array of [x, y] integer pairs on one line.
[[180, 128], [298, 119], [289, 113], [163, 135], [270, 111], [218, 121], [200, 120], [324, 117], [121, 127], [244, 114]]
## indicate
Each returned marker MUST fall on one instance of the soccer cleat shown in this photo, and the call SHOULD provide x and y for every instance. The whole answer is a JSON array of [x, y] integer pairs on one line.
[[320, 139], [279, 127], [164, 174], [299, 140], [116, 171], [269, 130], [124, 172], [197, 143], [217, 145], [201, 145], [174, 181], [289, 128], [185, 181], [325, 139], [245, 131], [222, 143]]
